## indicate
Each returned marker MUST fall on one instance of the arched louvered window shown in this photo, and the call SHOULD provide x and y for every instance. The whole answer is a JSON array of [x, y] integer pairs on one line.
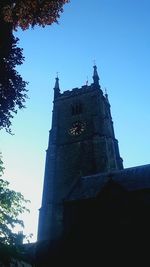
[[76, 108]]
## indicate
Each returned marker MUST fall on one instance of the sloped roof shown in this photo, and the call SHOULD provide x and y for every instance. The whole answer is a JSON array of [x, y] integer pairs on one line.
[[130, 179]]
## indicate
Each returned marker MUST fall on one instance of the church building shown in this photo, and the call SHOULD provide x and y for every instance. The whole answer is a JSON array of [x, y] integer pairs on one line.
[[91, 206]]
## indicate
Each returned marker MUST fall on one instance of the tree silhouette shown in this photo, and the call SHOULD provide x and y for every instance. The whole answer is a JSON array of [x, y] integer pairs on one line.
[[12, 87], [23, 14]]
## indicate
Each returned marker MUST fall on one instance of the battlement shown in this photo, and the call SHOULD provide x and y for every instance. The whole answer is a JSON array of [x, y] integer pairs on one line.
[[76, 91]]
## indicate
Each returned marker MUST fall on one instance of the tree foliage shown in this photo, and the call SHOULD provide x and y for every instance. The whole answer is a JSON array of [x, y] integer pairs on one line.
[[14, 14], [12, 87], [25, 13], [12, 205]]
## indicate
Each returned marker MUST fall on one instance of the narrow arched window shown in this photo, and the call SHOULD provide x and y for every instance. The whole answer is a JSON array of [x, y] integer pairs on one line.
[[73, 109], [80, 108], [76, 108]]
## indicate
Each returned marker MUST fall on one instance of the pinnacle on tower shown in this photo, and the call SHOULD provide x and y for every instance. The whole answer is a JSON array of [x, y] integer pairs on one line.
[[57, 83], [95, 75], [56, 88], [106, 96]]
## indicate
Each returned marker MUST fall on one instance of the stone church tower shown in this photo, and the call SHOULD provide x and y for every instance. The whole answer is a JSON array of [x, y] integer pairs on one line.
[[81, 143]]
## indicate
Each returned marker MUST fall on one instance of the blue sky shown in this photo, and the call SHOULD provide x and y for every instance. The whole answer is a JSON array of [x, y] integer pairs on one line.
[[114, 33]]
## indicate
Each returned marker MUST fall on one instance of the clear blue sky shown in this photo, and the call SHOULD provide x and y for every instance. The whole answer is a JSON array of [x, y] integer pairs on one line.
[[115, 33]]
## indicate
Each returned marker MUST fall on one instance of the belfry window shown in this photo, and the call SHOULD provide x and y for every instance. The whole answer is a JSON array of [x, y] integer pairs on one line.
[[76, 109]]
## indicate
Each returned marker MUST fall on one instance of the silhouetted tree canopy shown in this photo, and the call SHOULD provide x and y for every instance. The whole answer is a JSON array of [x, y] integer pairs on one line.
[[12, 87], [14, 14]]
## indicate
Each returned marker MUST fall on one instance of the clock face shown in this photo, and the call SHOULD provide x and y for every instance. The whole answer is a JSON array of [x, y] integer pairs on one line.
[[77, 128]]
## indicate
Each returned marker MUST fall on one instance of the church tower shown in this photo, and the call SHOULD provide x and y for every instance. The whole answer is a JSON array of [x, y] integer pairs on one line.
[[81, 143]]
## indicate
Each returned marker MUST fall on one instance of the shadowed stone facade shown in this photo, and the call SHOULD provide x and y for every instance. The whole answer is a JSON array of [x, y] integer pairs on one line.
[[82, 142], [93, 211]]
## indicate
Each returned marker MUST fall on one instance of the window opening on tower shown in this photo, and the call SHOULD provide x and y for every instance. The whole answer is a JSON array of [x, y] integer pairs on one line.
[[76, 109]]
